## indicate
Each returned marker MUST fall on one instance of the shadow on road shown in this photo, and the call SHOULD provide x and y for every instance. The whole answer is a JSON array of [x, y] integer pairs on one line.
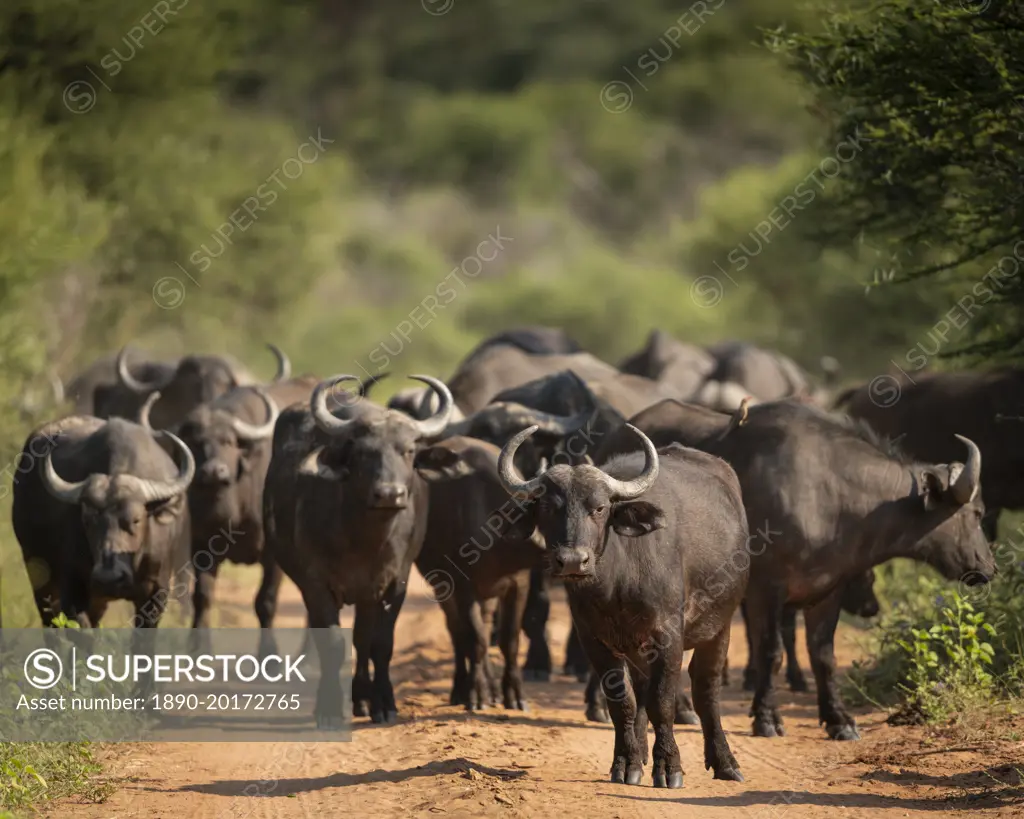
[[288, 787]]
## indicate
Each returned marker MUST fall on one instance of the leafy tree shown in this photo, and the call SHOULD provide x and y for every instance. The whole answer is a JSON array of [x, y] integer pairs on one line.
[[938, 88]]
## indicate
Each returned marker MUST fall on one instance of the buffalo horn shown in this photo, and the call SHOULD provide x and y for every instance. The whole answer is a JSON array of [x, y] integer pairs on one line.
[[251, 432], [128, 380], [965, 486], [284, 365], [436, 423]]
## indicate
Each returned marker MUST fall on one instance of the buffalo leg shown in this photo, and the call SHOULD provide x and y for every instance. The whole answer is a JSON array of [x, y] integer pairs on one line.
[[764, 608], [641, 690], [821, 623], [323, 619], [513, 604], [202, 604], [460, 680], [265, 603], [794, 676], [617, 686], [537, 666], [750, 672], [382, 704], [597, 703], [576, 664], [706, 679], [477, 643], [362, 641], [489, 615], [660, 702], [685, 714]]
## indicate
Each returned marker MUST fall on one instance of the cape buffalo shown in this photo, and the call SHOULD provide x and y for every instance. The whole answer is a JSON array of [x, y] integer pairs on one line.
[[570, 417], [766, 374], [477, 381], [653, 565], [99, 510], [419, 402], [679, 367], [472, 554], [925, 411], [230, 438], [196, 379], [96, 390], [827, 500], [344, 515]]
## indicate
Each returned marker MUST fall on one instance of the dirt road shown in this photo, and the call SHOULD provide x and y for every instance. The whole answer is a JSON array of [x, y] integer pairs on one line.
[[550, 762]]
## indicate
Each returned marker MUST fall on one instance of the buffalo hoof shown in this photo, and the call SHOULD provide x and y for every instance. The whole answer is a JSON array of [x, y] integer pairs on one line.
[[359, 708], [516, 705], [687, 718], [673, 780], [797, 683], [597, 714], [384, 717], [843, 733], [634, 775], [730, 774], [535, 675], [477, 706], [329, 722], [582, 676], [618, 776], [766, 728]]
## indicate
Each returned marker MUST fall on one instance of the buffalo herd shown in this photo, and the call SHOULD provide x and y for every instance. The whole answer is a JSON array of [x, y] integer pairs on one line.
[[664, 494]]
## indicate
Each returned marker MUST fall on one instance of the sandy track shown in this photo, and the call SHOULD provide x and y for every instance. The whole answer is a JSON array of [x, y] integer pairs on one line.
[[441, 761]]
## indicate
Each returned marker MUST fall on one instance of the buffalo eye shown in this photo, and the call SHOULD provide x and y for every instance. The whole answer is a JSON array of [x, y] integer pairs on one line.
[[598, 510]]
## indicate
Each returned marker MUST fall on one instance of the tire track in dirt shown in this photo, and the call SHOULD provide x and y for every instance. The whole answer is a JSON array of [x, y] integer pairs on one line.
[[441, 761]]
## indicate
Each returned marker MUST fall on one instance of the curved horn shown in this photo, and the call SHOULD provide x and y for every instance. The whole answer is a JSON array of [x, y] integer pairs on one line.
[[507, 472], [628, 490], [165, 490], [284, 366], [58, 487], [436, 423], [127, 380], [370, 383], [250, 432], [965, 487], [146, 407], [58, 388], [318, 405]]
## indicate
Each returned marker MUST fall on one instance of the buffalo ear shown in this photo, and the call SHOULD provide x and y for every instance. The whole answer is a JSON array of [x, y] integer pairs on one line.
[[439, 463], [932, 489], [636, 518]]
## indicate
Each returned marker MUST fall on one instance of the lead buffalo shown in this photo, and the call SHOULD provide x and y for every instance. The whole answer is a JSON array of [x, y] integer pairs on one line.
[[194, 380], [99, 510], [344, 515], [826, 500], [925, 411], [652, 564]]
